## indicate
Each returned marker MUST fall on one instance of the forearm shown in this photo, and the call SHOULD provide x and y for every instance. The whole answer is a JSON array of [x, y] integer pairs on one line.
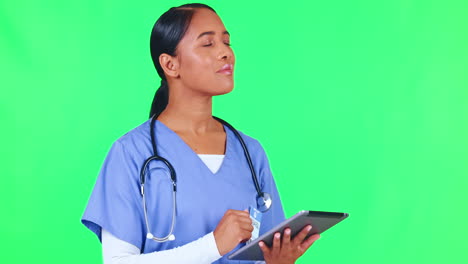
[[116, 251]]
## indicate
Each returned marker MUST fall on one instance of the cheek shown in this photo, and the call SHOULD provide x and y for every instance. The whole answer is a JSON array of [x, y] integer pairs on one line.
[[196, 66]]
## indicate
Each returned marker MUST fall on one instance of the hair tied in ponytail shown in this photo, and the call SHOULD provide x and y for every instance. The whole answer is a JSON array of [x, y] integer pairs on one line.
[[160, 99]]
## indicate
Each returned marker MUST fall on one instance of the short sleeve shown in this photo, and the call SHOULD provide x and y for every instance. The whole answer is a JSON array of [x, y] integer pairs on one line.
[[275, 214], [115, 202]]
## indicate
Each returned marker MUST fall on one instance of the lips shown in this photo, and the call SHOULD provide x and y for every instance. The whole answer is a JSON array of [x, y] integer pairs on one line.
[[226, 69]]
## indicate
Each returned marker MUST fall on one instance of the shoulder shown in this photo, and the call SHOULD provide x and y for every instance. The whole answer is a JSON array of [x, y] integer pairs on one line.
[[138, 133], [135, 142], [253, 145], [259, 158], [250, 141]]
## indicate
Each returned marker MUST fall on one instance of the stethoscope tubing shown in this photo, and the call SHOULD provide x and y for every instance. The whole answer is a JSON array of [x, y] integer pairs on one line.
[[263, 199], [246, 153]]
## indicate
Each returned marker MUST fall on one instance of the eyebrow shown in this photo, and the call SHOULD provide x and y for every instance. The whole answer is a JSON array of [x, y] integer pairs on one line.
[[211, 33]]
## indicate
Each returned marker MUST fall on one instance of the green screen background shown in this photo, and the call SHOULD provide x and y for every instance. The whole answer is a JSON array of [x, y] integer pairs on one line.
[[361, 106]]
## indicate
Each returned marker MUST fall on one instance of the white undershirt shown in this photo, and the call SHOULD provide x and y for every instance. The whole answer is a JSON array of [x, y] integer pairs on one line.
[[212, 161], [201, 251], [116, 251]]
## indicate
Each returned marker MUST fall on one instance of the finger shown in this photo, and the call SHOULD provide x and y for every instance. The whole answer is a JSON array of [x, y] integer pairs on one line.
[[264, 248], [246, 232], [286, 241], [241, 228], [308, 242], [243, 220], [300, 237], [237, 216], [238, 212], [243, 214], [246, 227], [245, 236], [276, 242]]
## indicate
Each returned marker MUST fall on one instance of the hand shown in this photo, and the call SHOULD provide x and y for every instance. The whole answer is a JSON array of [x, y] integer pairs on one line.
[[235, 227], [287, 251]]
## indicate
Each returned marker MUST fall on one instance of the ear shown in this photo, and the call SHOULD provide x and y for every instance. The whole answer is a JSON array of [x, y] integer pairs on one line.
[[169, 64]]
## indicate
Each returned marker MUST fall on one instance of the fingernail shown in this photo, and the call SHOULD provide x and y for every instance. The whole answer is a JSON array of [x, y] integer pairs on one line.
[[277, 235], [309, 228], [288, 231], [260, 243]]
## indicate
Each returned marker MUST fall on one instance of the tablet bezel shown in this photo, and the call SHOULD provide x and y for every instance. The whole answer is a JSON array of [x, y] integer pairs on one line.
[[319, 220]]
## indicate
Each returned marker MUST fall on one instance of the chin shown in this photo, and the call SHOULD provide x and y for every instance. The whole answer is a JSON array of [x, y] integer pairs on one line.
[[224, 90], [223, 84], [222, 87]]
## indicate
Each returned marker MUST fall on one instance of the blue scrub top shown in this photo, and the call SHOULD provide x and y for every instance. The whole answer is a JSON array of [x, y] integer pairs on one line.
[[202, 196]]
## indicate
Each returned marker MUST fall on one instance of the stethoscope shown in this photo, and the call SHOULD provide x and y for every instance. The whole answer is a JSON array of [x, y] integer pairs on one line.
[[263, 198]]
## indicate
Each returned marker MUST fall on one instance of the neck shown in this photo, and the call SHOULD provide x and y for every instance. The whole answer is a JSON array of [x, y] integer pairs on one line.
[[188, 112]]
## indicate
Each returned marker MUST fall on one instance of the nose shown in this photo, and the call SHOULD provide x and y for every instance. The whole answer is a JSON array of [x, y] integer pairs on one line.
[[225, 53]]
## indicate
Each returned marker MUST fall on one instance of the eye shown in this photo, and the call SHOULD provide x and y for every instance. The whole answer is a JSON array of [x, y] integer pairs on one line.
[[210, 44]]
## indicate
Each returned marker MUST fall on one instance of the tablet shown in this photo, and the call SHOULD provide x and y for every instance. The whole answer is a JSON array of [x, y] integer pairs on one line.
[[320, 222]]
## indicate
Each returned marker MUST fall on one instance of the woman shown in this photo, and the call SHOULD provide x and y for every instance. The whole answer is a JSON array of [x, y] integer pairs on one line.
[[192, 55]]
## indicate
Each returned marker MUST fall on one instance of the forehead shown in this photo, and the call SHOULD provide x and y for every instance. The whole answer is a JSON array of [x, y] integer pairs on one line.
[[204, 20]]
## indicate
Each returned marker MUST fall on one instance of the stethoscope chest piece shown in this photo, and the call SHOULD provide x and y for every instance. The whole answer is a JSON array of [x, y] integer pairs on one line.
[[264, 202]]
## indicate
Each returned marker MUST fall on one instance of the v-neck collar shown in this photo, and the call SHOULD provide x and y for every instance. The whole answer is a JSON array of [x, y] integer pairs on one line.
[[193, 154]]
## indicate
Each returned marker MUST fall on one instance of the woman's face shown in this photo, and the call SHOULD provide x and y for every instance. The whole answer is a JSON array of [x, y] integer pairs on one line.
[[203, 52]]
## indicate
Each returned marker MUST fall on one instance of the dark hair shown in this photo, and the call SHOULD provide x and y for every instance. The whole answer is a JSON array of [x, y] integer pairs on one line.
[[167, 32]]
